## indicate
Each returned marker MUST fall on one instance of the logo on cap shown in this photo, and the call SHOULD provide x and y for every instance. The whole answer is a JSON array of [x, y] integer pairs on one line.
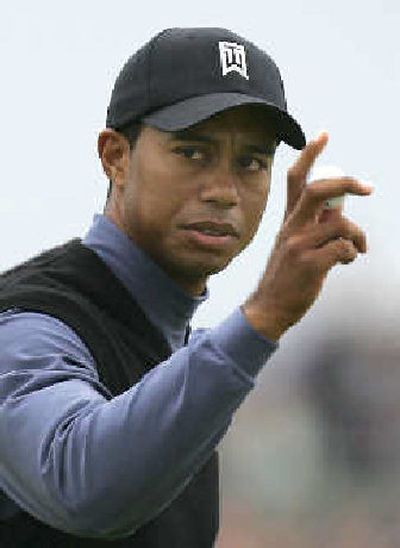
[[233, 58]]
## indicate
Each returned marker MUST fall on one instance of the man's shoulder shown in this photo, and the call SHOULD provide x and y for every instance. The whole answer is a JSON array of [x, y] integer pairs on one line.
[[39, 260], [27, 337]]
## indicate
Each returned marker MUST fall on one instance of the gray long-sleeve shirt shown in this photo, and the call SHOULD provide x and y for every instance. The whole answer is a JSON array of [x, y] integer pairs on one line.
[[95, 466]]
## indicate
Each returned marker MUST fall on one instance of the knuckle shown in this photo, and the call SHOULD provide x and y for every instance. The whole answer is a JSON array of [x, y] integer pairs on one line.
[[309, 262], [296, 173], [346, 228], [293, 246], [353, 232], [311, 192], [347, 225], [292, 174]]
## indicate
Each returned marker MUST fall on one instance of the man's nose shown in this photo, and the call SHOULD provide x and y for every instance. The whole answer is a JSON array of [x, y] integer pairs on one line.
[[220, 186]]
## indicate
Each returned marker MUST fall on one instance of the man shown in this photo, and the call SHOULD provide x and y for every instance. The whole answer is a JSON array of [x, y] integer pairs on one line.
[[110, 412]]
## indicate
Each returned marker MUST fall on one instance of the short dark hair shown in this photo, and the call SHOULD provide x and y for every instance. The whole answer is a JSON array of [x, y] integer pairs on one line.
[[131, 132]]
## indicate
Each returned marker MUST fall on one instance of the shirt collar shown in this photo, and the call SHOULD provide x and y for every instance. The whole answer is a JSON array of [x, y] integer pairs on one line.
[[165, 303]]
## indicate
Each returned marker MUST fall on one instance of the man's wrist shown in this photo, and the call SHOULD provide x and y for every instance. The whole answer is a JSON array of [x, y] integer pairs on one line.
[[245, 347], [265, 322]]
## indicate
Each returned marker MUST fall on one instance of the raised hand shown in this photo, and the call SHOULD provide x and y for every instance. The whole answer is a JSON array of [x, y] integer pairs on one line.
[[311, 241]]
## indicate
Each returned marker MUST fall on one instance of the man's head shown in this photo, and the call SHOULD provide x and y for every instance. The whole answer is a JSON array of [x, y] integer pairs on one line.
[[192, 126]]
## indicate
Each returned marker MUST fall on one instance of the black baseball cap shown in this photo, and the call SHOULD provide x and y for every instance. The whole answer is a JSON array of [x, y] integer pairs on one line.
[[183, 76]]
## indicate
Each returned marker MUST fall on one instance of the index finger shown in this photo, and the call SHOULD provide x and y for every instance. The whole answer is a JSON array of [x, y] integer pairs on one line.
[[297, 174]]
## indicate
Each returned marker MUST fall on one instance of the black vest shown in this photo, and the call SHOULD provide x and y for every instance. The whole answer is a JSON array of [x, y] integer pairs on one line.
[[72, 283]]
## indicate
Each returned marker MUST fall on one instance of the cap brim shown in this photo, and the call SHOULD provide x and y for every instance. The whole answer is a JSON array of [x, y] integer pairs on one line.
[[196, 109]]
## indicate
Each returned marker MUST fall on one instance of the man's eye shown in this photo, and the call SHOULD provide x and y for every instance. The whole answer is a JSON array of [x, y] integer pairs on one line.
[[251, 163], [191, 153]]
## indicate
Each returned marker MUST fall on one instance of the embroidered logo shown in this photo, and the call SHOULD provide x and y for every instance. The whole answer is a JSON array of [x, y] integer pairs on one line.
[[233, 58]]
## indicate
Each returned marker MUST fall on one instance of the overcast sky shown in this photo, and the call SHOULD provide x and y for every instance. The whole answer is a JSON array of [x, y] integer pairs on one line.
[[340, 62]]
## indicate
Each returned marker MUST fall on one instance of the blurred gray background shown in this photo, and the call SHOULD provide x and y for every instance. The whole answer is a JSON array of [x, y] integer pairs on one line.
[[312, 456]]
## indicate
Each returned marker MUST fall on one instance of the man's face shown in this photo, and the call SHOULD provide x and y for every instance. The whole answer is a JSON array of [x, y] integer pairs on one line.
[[194, 199]]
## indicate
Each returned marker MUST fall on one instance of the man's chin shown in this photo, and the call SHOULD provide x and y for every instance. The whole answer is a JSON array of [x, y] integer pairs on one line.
[[207, 268], [193, 269]]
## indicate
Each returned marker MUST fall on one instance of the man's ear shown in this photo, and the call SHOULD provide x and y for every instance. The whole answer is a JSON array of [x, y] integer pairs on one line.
[[114, 152]]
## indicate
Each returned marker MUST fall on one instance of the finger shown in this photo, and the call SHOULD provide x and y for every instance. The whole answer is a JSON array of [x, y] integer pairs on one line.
[[297, 174], [336, 251], [314, 195], [320, 234]]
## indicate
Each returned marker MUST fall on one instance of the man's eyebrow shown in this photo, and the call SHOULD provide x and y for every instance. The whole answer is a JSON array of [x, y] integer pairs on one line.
[[191, 136], [267, 149]]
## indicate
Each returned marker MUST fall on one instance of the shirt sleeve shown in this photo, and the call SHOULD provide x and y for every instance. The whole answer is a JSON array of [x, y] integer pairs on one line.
[[95, 466]]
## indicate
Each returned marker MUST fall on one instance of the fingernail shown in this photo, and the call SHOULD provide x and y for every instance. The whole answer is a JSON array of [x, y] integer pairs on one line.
[[369, 186], [322, 133]]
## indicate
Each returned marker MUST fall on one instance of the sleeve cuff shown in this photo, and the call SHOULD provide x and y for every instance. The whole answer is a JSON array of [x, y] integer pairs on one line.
[[242, 343]]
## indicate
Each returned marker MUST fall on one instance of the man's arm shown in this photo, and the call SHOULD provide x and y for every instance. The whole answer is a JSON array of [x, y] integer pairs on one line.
[[91, 465]]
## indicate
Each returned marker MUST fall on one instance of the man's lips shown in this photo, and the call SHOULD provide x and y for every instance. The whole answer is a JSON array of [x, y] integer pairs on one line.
[[212, 228], [209, 234]]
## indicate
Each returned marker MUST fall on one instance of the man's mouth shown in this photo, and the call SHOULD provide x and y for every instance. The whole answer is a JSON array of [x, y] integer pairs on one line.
[[213, 229], [211, 234]]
